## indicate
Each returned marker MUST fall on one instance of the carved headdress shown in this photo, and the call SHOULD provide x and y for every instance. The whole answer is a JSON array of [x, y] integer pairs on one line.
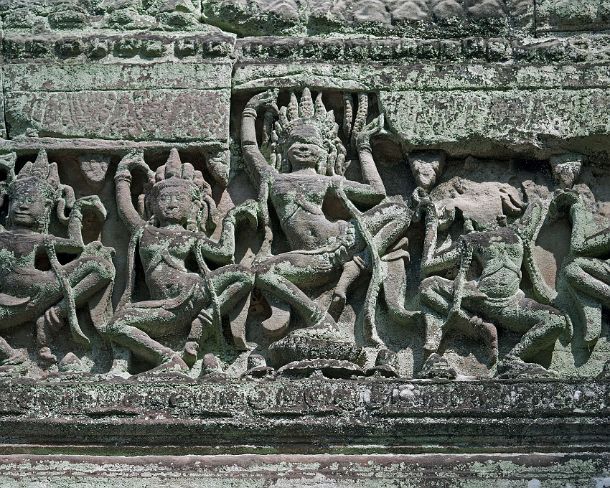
[[39, 176], [176, 173], [321, 127]]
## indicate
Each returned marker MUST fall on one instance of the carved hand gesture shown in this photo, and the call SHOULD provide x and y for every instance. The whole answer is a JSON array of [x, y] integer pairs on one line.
[[362, 137], [132, 161], [421, 198], [564, 199], [267, 99], [421, 203], [247, 211], [91, 202]]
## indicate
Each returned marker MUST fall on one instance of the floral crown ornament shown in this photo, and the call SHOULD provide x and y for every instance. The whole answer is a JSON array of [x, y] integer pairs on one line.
[[40, 176], [176, 173], [324, 130]]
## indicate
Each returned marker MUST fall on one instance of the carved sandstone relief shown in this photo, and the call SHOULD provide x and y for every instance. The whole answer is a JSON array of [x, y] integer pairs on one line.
[[307, 164], [329, 247], [167, 231], [36, 285]]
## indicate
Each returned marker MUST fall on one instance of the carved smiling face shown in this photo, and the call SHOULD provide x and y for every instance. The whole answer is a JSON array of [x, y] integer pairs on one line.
[[29, 206], [173, 203], [305, 148]]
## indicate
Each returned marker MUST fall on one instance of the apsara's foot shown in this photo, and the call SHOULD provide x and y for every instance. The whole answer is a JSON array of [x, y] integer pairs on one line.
[[189, 355], [46, 356], [173, 363], [512, 367], [401, 315]]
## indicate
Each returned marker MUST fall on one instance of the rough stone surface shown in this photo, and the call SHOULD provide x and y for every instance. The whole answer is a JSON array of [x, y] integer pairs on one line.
[[304, 243], [177, 114], [432, 470], [511, 118], [569, 15], [305, 416]]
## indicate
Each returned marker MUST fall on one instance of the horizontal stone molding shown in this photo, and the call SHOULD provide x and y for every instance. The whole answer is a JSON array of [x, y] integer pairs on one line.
[[211, 75], [432, 470], [79, 47], [439, 470], [378, 415], [441, 77], [573, 49]]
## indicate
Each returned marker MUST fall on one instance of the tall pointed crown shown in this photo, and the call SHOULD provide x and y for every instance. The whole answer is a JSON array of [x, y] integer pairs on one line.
[[41, 176], [176, 173], [313, 114], [40, 173]]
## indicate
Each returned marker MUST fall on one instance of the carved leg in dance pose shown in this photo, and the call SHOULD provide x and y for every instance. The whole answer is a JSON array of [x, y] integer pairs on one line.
[[232, 284], [589, 282]]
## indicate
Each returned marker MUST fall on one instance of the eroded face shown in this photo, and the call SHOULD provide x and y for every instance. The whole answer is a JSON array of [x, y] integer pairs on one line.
[[305, 150], [566, 174], [28, 208], [424, 173], [94, 168], [173, 205]]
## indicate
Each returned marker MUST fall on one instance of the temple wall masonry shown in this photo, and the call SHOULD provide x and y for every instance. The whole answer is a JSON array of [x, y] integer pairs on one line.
[[270, 243]]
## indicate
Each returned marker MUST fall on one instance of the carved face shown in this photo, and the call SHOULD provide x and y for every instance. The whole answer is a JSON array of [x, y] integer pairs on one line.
[[424, 171], [173, 204], [565, 174], [29, 207], [94, 168], [305, 147]]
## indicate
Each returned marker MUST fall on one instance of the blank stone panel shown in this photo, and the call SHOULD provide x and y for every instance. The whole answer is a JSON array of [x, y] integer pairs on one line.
[[514, 117], [180, 115]]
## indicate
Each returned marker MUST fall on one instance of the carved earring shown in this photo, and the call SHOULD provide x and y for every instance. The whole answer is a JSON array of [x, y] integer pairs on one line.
[[193, 222]]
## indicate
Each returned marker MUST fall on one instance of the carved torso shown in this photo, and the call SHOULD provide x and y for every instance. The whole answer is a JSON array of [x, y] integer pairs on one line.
[[297, 199], [19, 274], [163, 252], [19, 249], [499, 254]]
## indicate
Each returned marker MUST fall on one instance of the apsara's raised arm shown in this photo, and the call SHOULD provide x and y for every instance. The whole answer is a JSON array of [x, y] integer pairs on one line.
[[257, 167], [223, 251], [122, 180], [372, 190]]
